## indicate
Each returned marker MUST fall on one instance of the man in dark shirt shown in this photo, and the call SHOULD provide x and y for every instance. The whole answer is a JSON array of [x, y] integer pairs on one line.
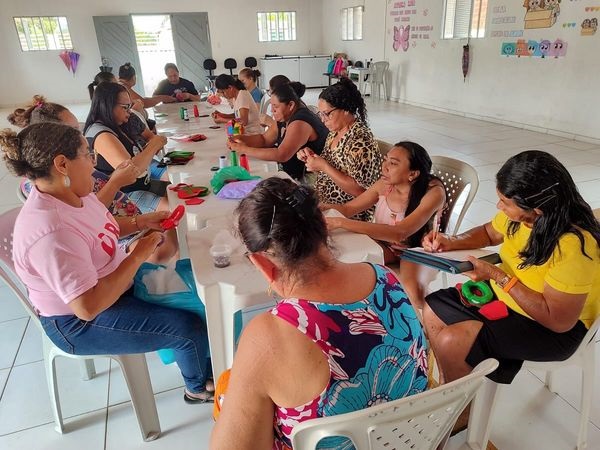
[[175, 86]]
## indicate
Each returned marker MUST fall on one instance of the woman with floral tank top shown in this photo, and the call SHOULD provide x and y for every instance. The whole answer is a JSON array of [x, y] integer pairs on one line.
[[343, 338]]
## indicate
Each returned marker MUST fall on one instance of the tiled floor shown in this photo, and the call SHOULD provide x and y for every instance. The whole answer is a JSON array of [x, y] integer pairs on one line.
[[100, 417]]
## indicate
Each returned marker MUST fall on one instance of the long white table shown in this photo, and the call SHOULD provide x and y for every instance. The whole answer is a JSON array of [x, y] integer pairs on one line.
[[226, 291]]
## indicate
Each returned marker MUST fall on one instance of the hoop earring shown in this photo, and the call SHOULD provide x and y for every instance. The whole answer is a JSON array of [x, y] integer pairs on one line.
[[67, 181]]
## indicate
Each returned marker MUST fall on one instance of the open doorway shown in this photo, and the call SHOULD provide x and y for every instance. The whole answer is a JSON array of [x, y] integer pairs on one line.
[[154, 40]]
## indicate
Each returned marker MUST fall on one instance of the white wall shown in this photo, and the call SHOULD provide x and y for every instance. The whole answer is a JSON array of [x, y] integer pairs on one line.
[[371, 46], [232, 24], [559, 95]]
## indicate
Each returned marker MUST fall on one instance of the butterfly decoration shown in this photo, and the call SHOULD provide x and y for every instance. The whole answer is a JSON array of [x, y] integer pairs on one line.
[[401, 36]]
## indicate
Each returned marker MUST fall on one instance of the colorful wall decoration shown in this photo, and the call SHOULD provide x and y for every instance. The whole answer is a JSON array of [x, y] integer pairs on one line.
[[541, 13], [541, 49], [589, 26]]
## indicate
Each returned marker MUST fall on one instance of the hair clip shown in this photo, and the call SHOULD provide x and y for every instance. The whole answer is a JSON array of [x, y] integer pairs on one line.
[[542, 191], [39, 104], [297, 198]]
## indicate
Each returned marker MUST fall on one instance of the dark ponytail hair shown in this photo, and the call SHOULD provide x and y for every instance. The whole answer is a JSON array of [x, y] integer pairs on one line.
[[283, 218], [39, 110], [126, 71], [223, 81], [345, 95], [253, 74], [104, 101], [418, 160], [290, 92], [277, 81], [101, 77], [537, 180]]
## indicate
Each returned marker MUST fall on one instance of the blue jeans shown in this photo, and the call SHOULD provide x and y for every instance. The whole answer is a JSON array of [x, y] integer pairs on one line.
[[134, 326]]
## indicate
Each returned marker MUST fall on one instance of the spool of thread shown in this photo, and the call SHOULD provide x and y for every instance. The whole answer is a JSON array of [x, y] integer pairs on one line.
[[181, 108], [196, 113], [222, 161], [244, 162], [230, 127], [233, 159], [186, 117]]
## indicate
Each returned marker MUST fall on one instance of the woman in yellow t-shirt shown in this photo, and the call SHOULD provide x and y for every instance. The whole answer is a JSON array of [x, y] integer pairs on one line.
[[549, 276]]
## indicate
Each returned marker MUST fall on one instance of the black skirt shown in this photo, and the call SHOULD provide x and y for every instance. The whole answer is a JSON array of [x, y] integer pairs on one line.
[[511, 340]]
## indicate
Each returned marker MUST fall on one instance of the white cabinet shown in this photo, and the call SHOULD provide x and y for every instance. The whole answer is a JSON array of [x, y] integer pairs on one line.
[[308, 69]]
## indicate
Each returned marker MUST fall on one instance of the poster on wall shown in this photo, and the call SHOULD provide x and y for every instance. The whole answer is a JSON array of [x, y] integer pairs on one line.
[[535, 49], [541, 13], [405, 28], [502, 23]]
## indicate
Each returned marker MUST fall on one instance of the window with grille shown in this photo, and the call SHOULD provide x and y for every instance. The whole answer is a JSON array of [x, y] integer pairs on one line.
[[352, 19], [43, 33], [276, 26], [464, 18]]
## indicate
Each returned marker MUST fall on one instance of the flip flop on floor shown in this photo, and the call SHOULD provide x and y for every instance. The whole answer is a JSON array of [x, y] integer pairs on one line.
[[198, 401]]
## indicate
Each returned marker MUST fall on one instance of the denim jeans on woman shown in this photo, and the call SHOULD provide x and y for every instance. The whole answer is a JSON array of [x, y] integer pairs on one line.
[[134, 326]]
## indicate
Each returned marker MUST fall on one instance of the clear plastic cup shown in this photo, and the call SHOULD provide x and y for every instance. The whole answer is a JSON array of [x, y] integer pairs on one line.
[[221, 255]]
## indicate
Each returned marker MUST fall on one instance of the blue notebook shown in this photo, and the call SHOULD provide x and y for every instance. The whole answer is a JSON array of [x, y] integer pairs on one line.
[[451, 262]]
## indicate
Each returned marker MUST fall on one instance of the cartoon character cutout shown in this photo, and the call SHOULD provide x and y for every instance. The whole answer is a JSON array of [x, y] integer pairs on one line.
[[534, 5], [545, 48], [522, 48], [552, 5], [534, 48], [589, 27], [401, 36], [558, 48], [508, 48]]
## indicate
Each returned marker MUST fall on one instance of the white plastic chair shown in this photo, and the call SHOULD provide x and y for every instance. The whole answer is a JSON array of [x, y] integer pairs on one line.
[[384, 147], [378, 79], [265, 104], [313, 109], [456, 176], [134, 367], [420, 421], [483, 406]]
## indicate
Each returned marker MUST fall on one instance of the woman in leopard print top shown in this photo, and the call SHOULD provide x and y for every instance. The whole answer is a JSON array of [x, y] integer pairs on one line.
[[350, 162]]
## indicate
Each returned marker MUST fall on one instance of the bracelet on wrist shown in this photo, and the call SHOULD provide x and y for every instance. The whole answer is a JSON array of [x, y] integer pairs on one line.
[[134, 221]]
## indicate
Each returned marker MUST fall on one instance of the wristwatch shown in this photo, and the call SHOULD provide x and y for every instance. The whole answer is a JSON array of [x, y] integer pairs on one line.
[[507, 282], [133, 221], [502, 282]]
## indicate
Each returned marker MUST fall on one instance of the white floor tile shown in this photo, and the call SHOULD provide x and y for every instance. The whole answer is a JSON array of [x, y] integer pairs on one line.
[[11, 334], [26, 401], [31, 349], [183, 426], [10, 306], [84, 431], [164, 378]]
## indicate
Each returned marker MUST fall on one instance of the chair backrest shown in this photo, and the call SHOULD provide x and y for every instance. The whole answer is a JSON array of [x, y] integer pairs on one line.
[[230, 64], [457, 176], [378, 71], [265, 103], [250, 62], [7, 267], [209, 64], [384, 147], [418, 421]]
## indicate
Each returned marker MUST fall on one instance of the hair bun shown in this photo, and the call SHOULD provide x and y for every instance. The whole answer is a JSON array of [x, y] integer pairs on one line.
[[10, 144]]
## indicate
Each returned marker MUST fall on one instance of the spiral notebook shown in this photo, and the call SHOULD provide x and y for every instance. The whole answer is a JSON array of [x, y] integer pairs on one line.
[[452, 261]]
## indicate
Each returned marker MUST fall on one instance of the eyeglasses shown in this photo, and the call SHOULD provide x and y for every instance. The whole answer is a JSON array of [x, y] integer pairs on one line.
[[126, 106], [93, 155], [326, 114]]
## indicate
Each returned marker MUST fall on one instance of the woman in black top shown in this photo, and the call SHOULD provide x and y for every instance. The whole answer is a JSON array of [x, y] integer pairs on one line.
[[106, 132], [297, 128]]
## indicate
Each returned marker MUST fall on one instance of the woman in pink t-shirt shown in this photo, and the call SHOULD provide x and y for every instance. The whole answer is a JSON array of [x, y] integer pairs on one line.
[[79, 280]]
